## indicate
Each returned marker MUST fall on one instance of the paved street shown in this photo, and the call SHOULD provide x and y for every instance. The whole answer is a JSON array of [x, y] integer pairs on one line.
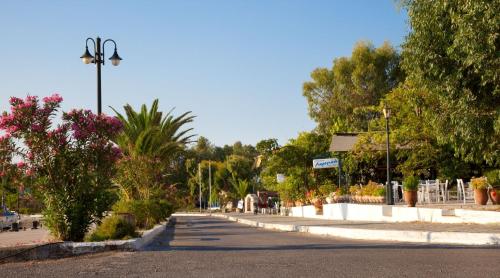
[[210, 247]]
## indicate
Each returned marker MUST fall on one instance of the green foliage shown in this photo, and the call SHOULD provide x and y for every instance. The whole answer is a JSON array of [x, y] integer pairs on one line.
[[341, 99], [452, 51], [325, 189], [240, 167], [112, 227], [147, 212], [267, 147], [410, 183], [493, 177], [241, 187], [152, 134], [153, 144]]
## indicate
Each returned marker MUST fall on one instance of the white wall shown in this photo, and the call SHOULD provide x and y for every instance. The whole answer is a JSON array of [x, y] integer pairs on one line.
[[384, 213]]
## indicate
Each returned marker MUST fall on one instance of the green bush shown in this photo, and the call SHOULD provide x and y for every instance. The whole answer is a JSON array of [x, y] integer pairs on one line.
[[380, 192], [493, 177], [410, 183], [147, 212], [112, 227]]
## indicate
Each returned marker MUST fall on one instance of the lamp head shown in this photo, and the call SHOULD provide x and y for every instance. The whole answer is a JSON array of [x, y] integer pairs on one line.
[[115, 59], [87, 58]]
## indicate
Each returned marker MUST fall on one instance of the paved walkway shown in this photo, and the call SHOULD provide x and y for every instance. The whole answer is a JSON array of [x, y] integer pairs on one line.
[[28, 237], [411, 226]]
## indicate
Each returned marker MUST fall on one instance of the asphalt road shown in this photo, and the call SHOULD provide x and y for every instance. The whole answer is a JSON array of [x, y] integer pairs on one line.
[[210, 247]]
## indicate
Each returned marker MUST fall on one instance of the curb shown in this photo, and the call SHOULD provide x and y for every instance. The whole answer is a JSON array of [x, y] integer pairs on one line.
[[79, 248], [66, 249], [456, 238]]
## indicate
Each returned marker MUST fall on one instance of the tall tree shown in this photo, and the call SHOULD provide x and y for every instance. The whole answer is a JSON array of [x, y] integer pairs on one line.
[[342, 98], [453, 51]]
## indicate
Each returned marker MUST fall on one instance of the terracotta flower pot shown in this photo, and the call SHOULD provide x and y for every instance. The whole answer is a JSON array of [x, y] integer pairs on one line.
[[481, 196], [495, 196], [411, 198]]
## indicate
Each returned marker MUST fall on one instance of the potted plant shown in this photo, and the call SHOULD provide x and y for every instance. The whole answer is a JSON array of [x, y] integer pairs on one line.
[[480, 186], [493, 178], [410, 188]]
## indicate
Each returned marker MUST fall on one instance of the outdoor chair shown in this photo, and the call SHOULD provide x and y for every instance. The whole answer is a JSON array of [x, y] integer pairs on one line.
[[443, 191], [395, 191], [431, 191], [421, 192], [464, 192]]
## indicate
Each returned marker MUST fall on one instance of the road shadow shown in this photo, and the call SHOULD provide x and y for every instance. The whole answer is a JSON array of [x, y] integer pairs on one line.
[[192, 233]]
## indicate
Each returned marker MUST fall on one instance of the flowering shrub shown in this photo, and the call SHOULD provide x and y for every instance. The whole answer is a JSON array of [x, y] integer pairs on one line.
[[72, 162]]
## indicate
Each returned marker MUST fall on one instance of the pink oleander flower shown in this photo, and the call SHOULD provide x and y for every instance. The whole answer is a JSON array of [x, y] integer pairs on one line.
[[15, 100], [55, 98], [21, 164], [12, 129], [6, 120], [29, 172]]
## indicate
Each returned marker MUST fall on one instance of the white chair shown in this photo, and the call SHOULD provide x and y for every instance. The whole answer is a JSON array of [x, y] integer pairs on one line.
[[443, 191], [464, 192], [432, 191], [395, 191], [421, 192]]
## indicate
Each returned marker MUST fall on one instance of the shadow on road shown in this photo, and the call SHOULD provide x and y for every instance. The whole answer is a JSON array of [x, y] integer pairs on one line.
[[207, 235]]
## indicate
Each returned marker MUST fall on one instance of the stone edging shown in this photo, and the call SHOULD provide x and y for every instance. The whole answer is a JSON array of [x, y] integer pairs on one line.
[[459, 238], [66, 249]]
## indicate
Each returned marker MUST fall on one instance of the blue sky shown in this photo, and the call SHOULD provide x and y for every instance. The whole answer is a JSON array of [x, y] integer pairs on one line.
[[238, 65]]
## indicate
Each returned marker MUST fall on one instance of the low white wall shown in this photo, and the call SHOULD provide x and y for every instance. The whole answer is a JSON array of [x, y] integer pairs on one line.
[[304, 211], [409, 214], [480, 217], [356, 212], [359, 212]]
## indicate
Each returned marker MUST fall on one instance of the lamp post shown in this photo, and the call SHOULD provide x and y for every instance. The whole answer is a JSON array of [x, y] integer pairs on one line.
[[389, 198], [98, 59]]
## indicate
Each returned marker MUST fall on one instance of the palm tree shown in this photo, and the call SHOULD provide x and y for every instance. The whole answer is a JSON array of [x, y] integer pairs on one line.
[[149, 133], [150, 141], [241, 187]]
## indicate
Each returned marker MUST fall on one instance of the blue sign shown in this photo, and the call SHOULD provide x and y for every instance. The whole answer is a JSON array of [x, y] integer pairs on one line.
[[325, 163]]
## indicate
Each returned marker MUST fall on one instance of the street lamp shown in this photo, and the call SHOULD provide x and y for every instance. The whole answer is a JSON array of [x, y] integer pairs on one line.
[[98, 59], [388, 194]]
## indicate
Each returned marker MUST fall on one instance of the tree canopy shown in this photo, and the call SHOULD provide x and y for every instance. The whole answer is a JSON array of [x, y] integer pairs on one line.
[[453, 51], [341, 99]]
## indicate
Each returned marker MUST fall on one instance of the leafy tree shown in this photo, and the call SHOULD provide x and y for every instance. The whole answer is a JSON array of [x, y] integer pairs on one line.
[[267, 147], [453, 52], [341, 99], [240, 167], [294, 160]]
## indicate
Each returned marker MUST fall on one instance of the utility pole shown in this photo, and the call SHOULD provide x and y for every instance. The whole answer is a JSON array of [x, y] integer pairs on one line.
[[210, 186], [199, 183]]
